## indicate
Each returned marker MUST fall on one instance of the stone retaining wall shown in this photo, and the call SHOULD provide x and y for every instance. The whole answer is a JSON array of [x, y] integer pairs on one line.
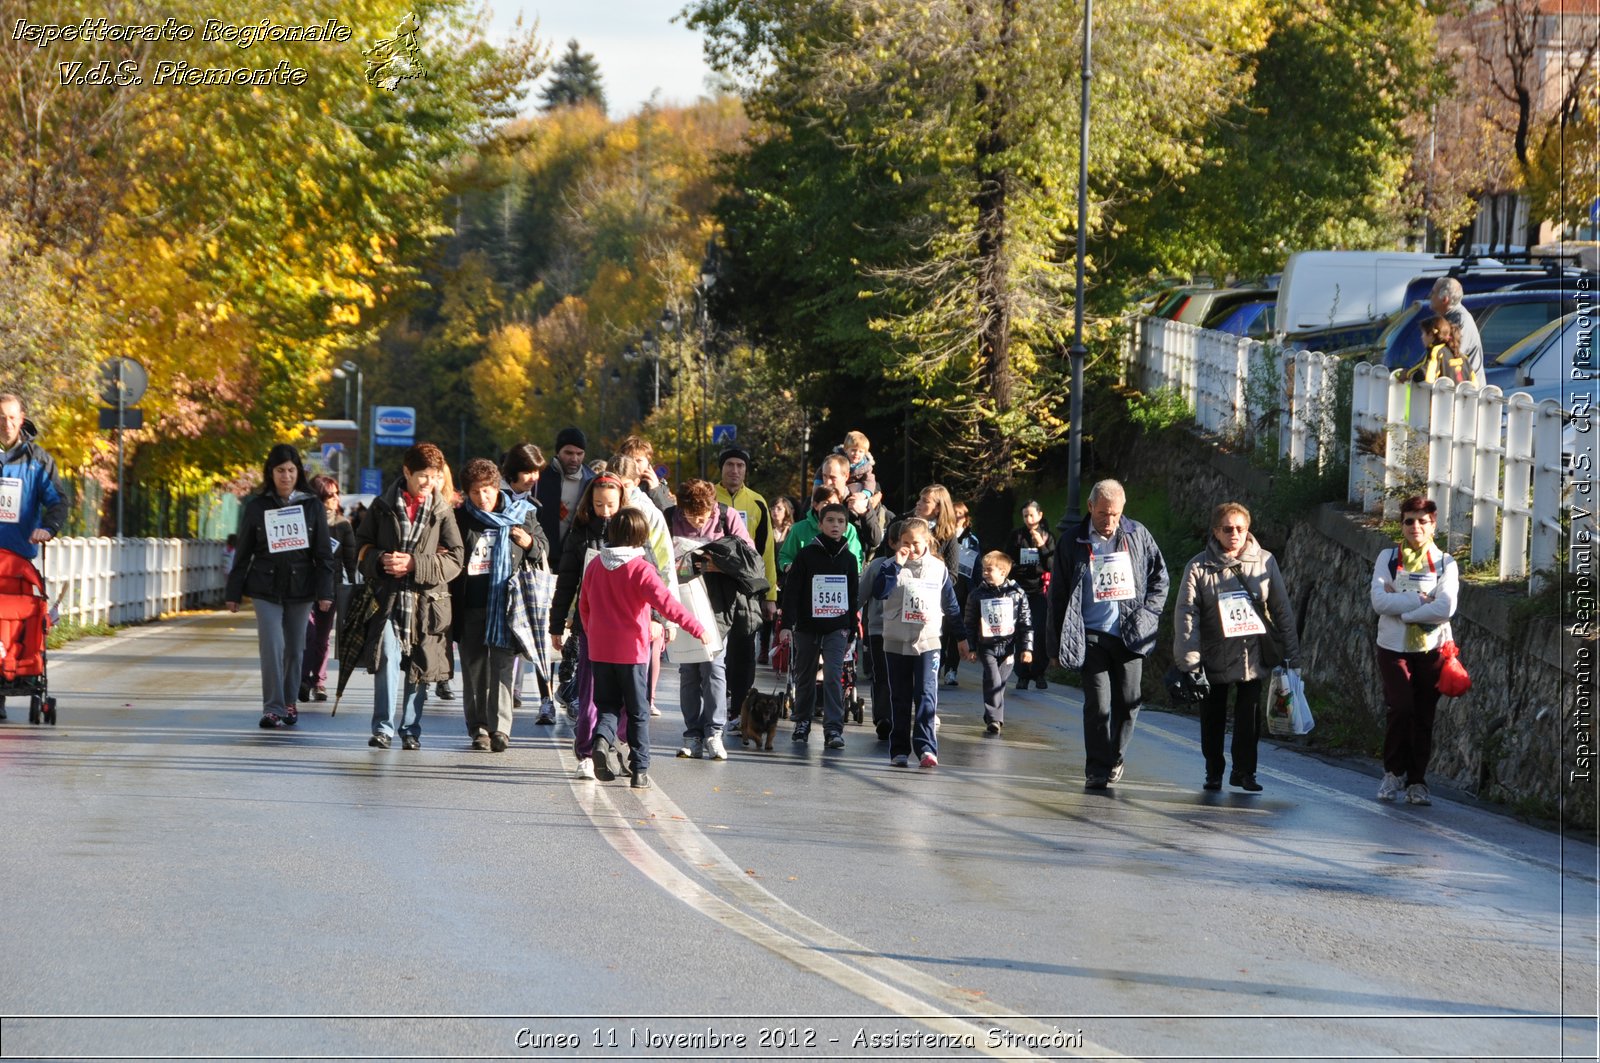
[[1510, 739]]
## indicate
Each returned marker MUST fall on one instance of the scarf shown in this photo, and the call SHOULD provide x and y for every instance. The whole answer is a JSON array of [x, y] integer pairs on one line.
[[1413, 561], [502, 568]]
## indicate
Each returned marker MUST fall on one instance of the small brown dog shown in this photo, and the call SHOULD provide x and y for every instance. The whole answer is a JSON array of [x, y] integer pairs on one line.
[[760, 715]]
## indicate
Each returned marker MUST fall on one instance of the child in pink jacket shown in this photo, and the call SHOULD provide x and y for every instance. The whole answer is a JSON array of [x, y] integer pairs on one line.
[[620, 588]]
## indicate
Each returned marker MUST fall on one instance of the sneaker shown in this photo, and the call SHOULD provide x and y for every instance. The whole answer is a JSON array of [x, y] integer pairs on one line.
[[269, 720], [319, 693], [1116, 774], [378, 741], [653, 710], [992, 727], [291, 716], [1390, 787], [715, 750], [1417, 794], [802, 734], [410, 742], [950, 679], [442, 688], [835, 741], [641, 781], [498, 742], [690, 750], [547, 712], [900, 760], [480, 742], [607, 764], [585, 769], [929, 761]]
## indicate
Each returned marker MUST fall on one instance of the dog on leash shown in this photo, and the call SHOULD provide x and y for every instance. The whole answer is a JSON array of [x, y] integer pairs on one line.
[[760, 715]]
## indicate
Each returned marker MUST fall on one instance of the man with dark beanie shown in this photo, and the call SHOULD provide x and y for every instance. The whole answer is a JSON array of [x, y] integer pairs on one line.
[[561, 486]]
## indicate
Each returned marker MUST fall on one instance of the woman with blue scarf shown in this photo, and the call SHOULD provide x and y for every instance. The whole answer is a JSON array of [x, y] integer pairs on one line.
[[499, 534]]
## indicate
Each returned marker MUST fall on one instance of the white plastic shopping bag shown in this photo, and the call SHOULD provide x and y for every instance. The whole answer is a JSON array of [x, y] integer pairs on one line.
[[1288, 712], [684, 647]]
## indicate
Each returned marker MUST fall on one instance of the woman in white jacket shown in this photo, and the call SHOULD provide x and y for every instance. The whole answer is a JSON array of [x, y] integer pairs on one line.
[[1415, 586]]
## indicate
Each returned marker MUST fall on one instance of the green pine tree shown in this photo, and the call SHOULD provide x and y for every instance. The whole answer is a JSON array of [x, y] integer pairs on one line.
[[575, 79]]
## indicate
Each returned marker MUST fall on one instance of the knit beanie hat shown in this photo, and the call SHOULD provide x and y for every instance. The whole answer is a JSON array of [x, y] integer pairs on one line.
[[571, 437]]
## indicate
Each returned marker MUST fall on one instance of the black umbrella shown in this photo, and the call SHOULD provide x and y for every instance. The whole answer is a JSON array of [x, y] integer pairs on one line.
[[353, 636]]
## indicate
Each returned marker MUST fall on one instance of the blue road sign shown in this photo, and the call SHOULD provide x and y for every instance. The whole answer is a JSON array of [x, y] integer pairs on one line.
[[724, 434], [371, 481]]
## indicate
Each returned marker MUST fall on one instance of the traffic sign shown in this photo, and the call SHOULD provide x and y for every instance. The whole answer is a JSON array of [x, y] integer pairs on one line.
[[723, 434], [371, 481], [663, 473], [394, 426], [131, 419], [122, 375]]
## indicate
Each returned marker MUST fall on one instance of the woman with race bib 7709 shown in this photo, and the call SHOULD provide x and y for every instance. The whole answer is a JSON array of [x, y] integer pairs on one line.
[[284, 563]]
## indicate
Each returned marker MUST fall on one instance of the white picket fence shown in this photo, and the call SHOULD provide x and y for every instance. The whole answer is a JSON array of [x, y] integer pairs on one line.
[[1478, 448], [1289, 407], [1492, 463], [126, 581]]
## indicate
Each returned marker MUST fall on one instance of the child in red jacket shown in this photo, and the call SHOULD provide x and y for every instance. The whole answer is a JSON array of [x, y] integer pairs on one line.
[[620, 588]]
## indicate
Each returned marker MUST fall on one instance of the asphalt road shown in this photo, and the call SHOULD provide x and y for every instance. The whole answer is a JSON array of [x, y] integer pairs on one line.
[[181, 884]]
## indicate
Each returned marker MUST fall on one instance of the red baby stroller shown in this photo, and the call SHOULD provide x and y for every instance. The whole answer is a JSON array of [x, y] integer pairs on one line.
[[24, 619]]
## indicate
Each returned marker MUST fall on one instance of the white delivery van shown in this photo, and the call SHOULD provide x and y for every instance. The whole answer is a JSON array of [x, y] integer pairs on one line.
[[1324, 288]]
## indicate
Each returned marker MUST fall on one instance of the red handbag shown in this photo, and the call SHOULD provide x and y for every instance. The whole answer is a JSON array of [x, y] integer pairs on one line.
[[1453, 678]]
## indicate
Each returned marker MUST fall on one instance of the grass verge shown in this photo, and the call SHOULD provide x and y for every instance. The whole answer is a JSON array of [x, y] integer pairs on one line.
[[67, 630]]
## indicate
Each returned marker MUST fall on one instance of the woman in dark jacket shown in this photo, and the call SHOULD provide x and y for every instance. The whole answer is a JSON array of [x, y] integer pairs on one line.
[[314, 669], [409, 549], [499, 533], [602, 499], [1032, 548], [284, 563]]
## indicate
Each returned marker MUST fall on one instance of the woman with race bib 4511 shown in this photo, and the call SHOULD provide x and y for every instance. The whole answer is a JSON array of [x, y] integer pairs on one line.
[[284, 563], [1233, 619]]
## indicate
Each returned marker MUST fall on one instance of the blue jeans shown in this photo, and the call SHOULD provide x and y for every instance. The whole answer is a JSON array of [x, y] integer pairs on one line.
[[703, 693], [913, 702], [618, 687], [391, 697]]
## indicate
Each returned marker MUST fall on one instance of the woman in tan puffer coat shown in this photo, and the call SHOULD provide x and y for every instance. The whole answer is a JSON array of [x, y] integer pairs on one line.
[[1234, 619]]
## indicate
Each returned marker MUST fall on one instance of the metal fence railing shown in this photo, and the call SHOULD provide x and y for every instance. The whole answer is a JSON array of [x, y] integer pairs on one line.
[[126, 581], [1497, 466]]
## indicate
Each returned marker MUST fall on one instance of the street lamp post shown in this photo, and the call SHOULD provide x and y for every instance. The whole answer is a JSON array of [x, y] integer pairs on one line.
[[708, 277], [669, 325], [1078, 351], [343, 372]]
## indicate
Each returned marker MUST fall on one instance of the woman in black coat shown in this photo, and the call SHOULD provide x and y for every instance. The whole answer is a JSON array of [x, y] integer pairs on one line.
[[284, 563], [1032, 549]]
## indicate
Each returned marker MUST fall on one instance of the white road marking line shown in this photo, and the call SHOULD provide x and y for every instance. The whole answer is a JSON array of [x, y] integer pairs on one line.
[[692, 846]]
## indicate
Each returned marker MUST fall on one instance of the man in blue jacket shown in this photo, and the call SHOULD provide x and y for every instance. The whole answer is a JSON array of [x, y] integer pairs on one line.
[[1108, 585], [32, 507]]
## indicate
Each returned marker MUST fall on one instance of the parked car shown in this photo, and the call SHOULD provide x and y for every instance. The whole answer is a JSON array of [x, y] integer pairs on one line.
[[1200, 303], [1476, 276], [1324, 289], [1252, 318], [1547, 358], [1503, 318]]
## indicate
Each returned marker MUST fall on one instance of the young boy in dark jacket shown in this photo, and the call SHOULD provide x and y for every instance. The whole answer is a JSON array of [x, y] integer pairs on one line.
[[999, 624], [820, 603]]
